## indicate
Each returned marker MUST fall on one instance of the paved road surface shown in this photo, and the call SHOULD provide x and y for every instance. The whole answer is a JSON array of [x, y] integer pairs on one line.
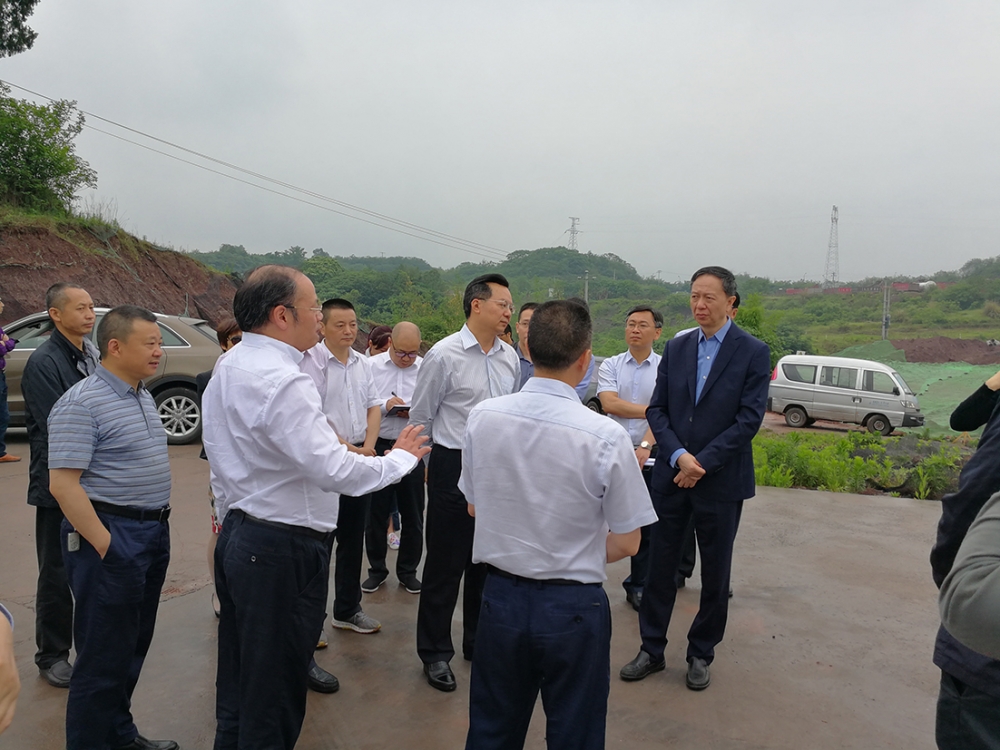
[[829, 643]]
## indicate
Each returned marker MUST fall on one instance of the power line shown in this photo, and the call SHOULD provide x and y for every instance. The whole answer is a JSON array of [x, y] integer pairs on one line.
[[438, 238]]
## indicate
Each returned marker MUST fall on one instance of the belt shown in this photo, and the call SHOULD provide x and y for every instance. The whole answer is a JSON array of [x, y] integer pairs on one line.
[[322, 536], [551, 581], [136, 514]]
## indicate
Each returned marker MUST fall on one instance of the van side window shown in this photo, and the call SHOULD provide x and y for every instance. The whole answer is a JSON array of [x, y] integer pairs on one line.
[[170, 338], [877, 382], [800, 373], [839, 377]]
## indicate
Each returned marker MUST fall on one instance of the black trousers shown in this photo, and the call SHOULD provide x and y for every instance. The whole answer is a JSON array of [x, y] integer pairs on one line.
[[450, 530], [351, 521], [716, 523], [639, 562], [272, 585], [409, 496], [686, 568], [967, 719], [53, 598]]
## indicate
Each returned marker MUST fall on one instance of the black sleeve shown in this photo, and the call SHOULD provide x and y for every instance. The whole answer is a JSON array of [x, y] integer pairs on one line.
[[972, 413], [41, 387]]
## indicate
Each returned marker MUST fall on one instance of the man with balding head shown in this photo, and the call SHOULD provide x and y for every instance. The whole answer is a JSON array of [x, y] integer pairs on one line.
[[281, 468], [395, 374]]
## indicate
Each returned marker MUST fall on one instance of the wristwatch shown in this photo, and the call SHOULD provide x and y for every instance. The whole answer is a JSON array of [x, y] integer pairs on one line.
[[646, 445]]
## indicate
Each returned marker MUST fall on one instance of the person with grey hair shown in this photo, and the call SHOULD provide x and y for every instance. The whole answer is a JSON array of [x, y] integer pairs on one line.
[[708, 403], [272, 559], [65, 358], [110, 472]]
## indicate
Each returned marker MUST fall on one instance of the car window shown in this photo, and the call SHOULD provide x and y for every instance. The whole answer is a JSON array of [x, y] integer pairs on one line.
[[170, 338], [32, 335], [877, 382], [839, 377], [800, 373], [899, 379]]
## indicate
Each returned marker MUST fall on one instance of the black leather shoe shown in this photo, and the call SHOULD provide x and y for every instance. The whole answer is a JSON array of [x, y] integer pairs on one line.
[[634, 597], [440, 676], [58, 674], [322, 681], [641, 667], [141, 743], [698, 676]]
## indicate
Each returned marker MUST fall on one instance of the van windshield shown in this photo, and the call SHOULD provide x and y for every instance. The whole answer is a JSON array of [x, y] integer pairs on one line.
[[902, 383]]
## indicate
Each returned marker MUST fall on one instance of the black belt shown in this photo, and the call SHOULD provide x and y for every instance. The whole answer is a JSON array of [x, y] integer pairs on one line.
[[322, 536], [553, 581], [136, 514]]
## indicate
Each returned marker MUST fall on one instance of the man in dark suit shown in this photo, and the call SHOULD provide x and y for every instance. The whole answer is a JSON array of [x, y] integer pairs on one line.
[[709, 402]]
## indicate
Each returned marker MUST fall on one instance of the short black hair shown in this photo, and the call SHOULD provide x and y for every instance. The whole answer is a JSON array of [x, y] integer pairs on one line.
[[335, 303], [117, 324], [265, 288], [722, 274], [526, 306], [55, 295], [580, 301], [479, 288], [559, 332], [657, 315], [736, 302]]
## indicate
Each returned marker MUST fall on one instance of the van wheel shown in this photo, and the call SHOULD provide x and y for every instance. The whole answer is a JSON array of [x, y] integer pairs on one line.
[[879, 423], [595, 405], [810, 422], [795, 416]]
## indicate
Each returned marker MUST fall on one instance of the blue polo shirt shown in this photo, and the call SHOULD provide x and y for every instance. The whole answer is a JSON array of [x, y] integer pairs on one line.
[[112, 432]]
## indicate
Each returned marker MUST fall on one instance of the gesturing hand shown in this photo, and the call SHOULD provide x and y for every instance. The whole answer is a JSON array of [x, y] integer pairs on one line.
[[411, 441]]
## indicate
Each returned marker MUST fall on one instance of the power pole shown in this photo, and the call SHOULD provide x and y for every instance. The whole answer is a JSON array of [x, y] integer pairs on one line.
[[886, 293], [831, 276], [586, 286], [573, 232]]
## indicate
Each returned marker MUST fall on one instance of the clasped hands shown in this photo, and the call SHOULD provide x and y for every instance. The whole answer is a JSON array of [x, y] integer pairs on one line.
[[689, 471]]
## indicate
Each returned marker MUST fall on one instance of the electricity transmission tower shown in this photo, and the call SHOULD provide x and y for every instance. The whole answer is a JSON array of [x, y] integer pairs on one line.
[[573, 232], [831, 277]]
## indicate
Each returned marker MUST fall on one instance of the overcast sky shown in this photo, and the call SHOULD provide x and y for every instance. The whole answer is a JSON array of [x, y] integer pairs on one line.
[[679, 133]]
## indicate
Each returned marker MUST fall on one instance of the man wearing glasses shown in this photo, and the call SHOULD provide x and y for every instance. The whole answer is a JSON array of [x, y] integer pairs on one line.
[[459, 371], [395, 373]]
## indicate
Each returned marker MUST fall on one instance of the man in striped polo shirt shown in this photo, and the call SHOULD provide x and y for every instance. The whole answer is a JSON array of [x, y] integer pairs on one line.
[[110, 473]]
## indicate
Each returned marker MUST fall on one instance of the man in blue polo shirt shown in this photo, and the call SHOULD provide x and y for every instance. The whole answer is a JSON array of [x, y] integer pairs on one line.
[[110, 473]]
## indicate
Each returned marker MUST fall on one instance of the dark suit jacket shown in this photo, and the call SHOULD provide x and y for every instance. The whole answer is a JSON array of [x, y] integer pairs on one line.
[[718, 430]]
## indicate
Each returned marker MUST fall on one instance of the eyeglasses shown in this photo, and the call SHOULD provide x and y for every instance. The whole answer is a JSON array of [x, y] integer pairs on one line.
[[405, 355], [235, 339], [316, 310], [504, 305]]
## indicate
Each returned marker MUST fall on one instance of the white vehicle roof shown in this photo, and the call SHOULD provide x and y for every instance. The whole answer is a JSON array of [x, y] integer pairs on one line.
[[809, 359]]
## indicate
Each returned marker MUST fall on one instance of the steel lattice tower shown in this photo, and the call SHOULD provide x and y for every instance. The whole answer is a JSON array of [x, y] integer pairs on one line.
[[831, 277], [573, 232]]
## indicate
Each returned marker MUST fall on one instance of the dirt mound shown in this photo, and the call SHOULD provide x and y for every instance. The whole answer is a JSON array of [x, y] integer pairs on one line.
[[943, 349], [116, 270]]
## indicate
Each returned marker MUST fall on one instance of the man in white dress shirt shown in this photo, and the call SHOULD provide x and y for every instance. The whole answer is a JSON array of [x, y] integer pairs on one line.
[[351, 405], [458, 372], [395, 374], [625, 384], [278, 463], [546, 532]]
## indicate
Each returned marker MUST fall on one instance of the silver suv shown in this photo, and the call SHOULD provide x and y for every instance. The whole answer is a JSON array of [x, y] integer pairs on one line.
[[189, 347]]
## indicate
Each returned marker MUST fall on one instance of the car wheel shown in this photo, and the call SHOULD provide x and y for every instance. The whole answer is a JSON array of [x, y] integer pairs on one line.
[[879, 423], [595, 405], [180, 413], [795, 416]]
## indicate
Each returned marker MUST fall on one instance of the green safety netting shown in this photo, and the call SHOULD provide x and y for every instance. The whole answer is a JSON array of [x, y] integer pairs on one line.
[[939, 386]]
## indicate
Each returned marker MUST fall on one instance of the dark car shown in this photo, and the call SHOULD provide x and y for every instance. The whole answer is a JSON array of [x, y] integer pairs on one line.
[[189, 347]]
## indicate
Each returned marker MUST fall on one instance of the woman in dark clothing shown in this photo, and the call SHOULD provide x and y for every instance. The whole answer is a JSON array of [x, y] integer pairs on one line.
[[975, 411]]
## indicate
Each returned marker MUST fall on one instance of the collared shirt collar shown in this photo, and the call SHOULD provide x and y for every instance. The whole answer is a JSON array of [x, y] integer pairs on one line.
[[260, 341], [118, 385], [520, 354], [352, 355], [550, 386], [628, 356], [719, 335], [469, 340]]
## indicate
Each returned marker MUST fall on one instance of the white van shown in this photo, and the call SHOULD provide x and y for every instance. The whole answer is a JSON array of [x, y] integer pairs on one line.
[[805, 388]]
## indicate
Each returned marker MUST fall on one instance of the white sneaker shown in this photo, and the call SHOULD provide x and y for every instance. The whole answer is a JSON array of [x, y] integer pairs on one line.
[[393, 539], [360, 623]]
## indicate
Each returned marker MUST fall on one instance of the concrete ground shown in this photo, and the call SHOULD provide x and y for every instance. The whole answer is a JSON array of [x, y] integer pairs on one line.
[[829, 641]]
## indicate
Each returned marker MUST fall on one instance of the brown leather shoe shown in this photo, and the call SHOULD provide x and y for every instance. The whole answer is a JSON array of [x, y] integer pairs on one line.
[[6, 458]]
